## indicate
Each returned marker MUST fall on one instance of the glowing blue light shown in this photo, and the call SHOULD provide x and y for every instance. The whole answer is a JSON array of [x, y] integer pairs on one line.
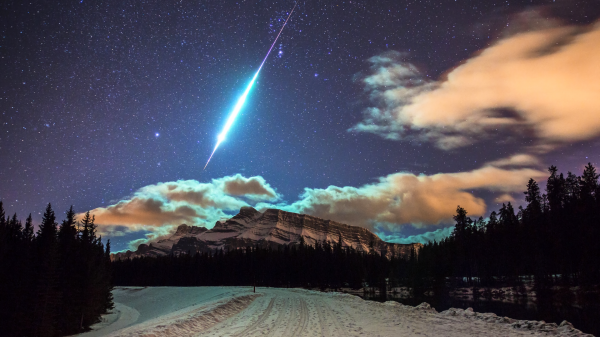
[[240, 103], [236, 110]]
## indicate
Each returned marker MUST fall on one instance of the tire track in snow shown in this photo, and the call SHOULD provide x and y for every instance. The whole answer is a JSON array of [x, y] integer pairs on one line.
[[260, 320], [303, 322], [280, 321], [291, 315]]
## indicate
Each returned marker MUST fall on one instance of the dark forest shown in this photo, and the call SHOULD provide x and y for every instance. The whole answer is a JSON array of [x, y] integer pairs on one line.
[[55, 282]]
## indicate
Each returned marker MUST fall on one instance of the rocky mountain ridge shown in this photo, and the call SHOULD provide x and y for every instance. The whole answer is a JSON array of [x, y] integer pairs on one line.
[[272, 228]]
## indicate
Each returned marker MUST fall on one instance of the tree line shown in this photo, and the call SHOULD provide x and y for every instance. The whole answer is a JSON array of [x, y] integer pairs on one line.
[[56, 281], [554, 238], [323, 265]]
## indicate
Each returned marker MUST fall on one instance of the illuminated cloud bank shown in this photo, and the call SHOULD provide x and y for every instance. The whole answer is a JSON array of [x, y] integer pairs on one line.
[[394, 201], [405, 198], [543, 81], [161, 207]]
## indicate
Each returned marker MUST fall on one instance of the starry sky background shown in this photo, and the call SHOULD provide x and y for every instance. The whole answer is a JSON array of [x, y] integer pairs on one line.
[[101, 99]]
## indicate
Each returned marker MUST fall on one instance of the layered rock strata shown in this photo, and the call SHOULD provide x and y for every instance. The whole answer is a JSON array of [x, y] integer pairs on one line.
[[272, 228]]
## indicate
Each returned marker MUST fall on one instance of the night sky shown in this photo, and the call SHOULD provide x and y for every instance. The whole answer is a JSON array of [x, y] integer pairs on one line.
[[384, 114]]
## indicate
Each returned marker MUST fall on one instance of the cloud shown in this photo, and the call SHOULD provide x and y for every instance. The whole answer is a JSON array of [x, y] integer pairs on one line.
[[504, 198], [545, 80], [157, 234], [393, 201], [405, 198], [166, 205], [254, 187], [516, 160]]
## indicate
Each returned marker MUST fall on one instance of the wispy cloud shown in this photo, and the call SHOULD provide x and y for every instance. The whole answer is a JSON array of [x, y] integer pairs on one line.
[[517, 160], [544, 81]]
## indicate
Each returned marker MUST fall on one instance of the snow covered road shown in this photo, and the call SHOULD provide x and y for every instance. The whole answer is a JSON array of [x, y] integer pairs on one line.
[[237, 311]]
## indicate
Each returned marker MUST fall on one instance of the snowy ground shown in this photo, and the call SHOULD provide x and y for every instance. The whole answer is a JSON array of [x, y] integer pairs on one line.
[[237, 311]]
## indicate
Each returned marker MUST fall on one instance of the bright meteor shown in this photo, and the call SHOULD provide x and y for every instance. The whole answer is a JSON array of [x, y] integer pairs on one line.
[[242, 99]]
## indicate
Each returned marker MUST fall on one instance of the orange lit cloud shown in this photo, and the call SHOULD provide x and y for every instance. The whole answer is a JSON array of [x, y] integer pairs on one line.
[[255, 187], [166, 205], [544, 80], [405, 198], [395, 200]]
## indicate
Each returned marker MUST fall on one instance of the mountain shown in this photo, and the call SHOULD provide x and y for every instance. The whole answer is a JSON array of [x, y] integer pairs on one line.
[[272, 228]]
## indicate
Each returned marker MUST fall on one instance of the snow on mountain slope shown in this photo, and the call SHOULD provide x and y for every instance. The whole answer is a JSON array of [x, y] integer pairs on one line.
[[272, 228]]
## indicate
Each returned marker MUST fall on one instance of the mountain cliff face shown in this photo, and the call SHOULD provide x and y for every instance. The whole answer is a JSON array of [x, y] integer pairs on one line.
[[272, 228]]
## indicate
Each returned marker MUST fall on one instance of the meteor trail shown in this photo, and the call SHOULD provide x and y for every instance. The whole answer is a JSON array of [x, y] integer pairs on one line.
[[242, 99]]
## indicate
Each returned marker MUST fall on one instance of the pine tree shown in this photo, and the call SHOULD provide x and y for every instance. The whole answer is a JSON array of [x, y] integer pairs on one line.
[[27, 281], [48, 230], [572, 187], [492, 224], [463, 223], [534, 200], [70, 286], [47, 291], [555, 189], [15, 226], [7, 298], [2, 214], [88, 229], [68, 232], [107, 281], [28, 230], [589, 182], [94, 273]]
